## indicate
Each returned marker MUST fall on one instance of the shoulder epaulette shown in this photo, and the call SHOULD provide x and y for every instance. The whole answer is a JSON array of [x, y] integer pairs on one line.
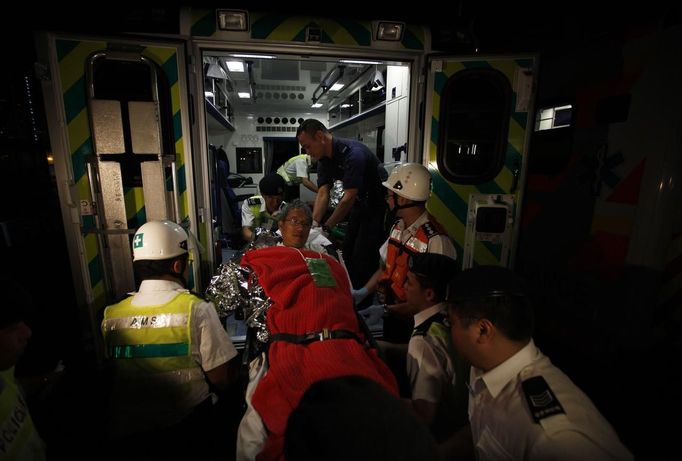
[[429, 229], [253, 201], [542, 402]]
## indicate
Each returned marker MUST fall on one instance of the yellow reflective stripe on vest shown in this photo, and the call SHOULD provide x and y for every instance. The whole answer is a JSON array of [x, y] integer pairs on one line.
[[18, 437]]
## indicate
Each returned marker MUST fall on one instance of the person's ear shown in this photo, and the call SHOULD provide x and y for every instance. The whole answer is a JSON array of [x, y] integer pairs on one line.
[[178, 266], [486, 330], [430, 295]]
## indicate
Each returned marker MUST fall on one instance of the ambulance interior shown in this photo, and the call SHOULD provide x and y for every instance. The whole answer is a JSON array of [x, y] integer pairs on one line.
[[255, 103]]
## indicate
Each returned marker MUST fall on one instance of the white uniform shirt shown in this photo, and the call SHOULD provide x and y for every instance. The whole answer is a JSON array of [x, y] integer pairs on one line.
[[252, 434], [297, 169], [248, 217], [504, 429], [429, 365], [210, 347], [438, 244]]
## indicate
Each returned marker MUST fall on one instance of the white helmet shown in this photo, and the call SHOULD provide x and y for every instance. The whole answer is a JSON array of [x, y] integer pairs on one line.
[[411, 180], [159, 240]]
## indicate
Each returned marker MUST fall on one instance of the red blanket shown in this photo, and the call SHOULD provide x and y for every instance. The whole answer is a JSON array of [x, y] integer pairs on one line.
[[300, 307]]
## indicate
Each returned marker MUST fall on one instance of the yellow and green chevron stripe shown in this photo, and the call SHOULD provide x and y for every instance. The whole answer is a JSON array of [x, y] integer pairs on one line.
[[450, 202]]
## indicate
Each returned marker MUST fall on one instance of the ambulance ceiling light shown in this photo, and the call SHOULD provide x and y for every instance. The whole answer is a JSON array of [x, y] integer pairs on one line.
[[255, 56], [359, 61], [235, 66], [234, 20], [244, 95], [390, 31]]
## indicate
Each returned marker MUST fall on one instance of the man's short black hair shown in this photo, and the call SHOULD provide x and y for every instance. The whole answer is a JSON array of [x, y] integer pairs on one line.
[[433, 271], [272, 184], [310, 127], [494, 293]]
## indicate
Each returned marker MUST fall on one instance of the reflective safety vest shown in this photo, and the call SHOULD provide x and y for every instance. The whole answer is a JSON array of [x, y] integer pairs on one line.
[[436, 326], [282, 171], [261, 218], [395, 272], [151, 350], [18, 437]]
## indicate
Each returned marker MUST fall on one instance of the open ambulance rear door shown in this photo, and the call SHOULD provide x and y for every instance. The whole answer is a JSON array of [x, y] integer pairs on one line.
[[477, 126]]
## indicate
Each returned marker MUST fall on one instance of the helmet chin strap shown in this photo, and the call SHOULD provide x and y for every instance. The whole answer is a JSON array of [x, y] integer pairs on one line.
[[402, 207]]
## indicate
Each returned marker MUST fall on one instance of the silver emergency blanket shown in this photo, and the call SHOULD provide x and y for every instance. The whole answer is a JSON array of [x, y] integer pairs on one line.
[[335, 194], [230, 291]]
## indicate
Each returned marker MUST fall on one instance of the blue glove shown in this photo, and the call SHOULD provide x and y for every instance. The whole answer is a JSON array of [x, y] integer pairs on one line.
[[359, 294], [373, 315]]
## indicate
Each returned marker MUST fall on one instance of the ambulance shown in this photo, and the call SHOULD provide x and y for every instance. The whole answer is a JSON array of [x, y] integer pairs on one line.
[[137, 123]]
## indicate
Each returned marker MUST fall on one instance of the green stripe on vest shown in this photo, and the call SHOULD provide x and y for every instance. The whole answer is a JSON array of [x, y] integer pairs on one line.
[[134, 351]]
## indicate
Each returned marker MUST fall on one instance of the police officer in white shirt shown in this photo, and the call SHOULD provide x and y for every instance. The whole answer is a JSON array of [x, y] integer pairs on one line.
[[521, 406]]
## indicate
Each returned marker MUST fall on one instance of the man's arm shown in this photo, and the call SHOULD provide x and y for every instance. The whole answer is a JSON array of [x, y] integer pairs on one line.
[[372, 283], [223, 375], [343, 208], [247, 220], [321, 203], [247, 233], [309, 184]]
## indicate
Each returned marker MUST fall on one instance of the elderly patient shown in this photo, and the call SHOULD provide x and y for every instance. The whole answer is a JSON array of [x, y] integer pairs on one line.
[[295, 228], [312, 333]]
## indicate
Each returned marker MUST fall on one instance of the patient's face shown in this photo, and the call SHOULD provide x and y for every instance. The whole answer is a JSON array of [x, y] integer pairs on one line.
[[295, 228]]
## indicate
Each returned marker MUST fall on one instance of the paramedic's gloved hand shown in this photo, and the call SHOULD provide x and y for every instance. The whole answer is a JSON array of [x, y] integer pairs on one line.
[[359, 295], [373, 314]]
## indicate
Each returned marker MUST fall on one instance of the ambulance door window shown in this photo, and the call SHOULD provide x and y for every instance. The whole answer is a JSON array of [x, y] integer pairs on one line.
[[474, 115]]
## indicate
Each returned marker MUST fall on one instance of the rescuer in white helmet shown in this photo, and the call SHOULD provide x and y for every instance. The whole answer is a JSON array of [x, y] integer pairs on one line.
[[408, 187], [167, 346]]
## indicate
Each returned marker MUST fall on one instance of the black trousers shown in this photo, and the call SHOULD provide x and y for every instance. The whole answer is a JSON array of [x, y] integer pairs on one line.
[[365, 234], [201, 435]]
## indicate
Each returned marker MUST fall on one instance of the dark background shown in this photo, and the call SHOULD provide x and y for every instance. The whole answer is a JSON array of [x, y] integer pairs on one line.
[[634, 385]]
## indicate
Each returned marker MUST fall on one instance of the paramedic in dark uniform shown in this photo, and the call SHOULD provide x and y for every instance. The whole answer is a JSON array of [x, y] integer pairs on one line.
[[362, 203], [263, 210], [521, 406]]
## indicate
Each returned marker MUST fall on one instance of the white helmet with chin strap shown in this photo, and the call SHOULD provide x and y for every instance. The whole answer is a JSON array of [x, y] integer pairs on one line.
[[411, 180], [157, 240]]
